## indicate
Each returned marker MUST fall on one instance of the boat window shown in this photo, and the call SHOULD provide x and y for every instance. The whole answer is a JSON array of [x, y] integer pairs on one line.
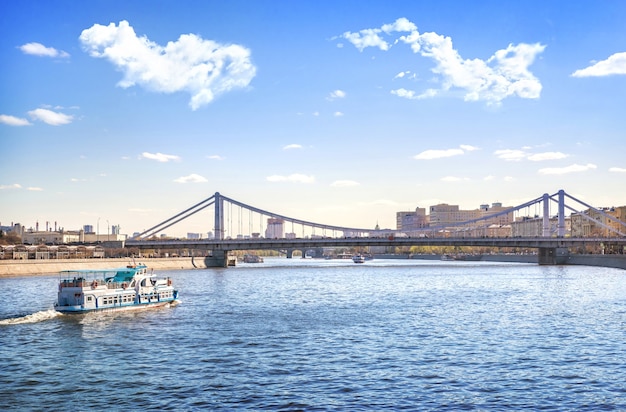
[[143, 282]]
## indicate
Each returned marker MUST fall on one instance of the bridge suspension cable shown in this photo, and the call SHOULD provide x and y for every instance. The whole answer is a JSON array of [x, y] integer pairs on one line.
[[218, 200]]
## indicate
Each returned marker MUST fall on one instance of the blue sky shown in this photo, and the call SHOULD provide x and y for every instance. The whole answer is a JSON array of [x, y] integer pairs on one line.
[[339, 112]]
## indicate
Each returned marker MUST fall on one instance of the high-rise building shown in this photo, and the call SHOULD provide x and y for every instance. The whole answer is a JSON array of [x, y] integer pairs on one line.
[[274, 228], [412, 220]]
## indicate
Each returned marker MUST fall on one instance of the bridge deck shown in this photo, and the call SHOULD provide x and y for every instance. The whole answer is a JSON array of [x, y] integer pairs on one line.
[[261, 244]]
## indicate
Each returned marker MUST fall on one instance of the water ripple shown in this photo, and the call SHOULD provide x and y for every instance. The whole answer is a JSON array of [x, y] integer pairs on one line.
[[314, 336]]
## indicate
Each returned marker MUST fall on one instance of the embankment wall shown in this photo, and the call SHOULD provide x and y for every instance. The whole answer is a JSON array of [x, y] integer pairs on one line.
[[609, 261], [10, 268]]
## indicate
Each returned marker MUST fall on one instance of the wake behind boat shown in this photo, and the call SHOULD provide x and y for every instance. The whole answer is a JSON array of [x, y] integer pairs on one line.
[[131, 287]]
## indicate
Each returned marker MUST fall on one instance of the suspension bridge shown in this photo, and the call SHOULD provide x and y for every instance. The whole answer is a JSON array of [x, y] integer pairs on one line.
[[259, 229]]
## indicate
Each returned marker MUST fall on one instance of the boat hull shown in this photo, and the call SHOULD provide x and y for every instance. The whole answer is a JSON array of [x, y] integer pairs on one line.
[[78, 309]]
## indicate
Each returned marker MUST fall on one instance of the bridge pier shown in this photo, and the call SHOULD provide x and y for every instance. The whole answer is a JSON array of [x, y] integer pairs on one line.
[[552, 256], [219, 259]]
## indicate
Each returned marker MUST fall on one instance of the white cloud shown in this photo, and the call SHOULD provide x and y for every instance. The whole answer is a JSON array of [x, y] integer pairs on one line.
[[14, 121], [38, 49], [371, 37], [489, 178], [192, 178], [50, 117], [411, 95], [294, 178], [615, 64], [344, 183], [568, 169], [503, 75], [338, 114], [618, 169], [366, 38], [509, 178], [438, 154], [511, 155], [203, 68], [407, 94], [215, 157], [516, 155], [13, 186], [292, 146], [538, 157], [337, 94], [35, 189], [159, 157]]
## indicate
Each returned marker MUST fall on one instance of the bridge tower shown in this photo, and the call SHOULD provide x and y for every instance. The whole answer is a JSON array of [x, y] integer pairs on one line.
[[546, 215], [219, 216], [561, 218], [553, 256]]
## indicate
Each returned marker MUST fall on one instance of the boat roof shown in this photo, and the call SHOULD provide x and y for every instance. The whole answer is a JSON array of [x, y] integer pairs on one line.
[[128, 268], [118, 274]]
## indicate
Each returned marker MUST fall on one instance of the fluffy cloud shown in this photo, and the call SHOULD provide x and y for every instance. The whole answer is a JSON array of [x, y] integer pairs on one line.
[[38, 49], [371, 37], [192, 178], [503, 75], [337, 94], [294, 178], [13, 121], [13, 186], [292, 146], [568, 169], [438, 154], [615, 64], [468, 148], [516, 155], [617, 169], [159, 157], [203, 68], [538, 157], [50, 117]]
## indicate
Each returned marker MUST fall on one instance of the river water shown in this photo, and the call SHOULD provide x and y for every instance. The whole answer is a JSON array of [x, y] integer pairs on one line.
[[294, 334]]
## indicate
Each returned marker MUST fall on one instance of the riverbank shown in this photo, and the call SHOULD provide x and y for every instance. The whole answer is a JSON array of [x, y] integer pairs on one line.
[[609, 261], [11, 268]]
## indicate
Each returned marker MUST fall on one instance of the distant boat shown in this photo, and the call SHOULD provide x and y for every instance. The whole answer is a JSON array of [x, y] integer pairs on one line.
[[252, 259], [358, 258], [130, 287]]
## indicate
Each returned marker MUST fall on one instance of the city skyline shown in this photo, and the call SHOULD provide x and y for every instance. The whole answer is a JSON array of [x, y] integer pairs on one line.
[[338, 113]]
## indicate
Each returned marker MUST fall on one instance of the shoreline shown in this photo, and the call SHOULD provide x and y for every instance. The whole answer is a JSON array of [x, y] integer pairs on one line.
[[16, 268]]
